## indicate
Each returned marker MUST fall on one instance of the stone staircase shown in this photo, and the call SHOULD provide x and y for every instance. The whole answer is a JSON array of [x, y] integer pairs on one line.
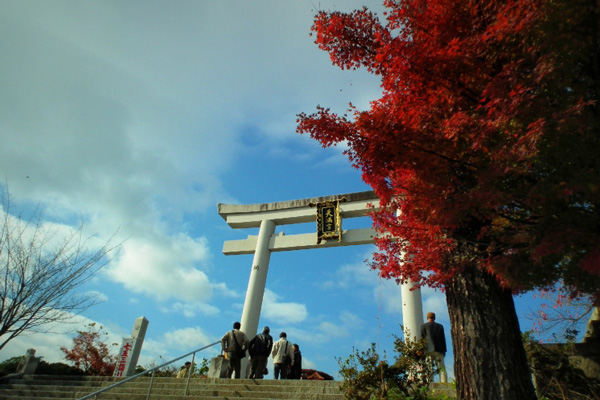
[[50, 387], [47, 387]]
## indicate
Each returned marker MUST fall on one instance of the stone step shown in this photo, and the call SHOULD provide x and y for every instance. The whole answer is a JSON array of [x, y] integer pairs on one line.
[[40, 387], [143, 397], [60, 392], [160, 381], [47, 387]]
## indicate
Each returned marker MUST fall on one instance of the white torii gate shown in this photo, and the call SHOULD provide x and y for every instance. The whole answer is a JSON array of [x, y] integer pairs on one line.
[[267, 216]]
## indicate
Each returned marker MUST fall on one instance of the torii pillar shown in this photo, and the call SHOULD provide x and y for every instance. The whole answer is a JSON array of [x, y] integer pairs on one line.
[[267, 216], [258, 279]]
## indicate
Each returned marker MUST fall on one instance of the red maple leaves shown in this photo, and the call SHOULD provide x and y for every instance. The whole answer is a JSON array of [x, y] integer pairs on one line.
[[91, 353], [482, 114]]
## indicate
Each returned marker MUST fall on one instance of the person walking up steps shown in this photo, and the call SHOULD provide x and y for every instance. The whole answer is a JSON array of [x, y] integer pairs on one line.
[[296, 368], [235, 343], [259, 350], [282, 356], [436, 344]]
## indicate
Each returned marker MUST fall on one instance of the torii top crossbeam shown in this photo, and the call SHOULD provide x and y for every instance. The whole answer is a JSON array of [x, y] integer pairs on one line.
[[296, 212]]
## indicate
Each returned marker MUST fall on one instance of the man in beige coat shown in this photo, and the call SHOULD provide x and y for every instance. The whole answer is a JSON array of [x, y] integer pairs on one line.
[[281, 363], [230, 343]]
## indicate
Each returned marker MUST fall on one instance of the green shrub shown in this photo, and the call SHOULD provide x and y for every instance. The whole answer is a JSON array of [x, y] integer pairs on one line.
[[367, 375], [9, 366], [45, 368]]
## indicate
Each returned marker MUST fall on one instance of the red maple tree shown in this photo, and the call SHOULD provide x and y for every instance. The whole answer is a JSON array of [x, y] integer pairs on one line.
[[485, 140], [91, 353]]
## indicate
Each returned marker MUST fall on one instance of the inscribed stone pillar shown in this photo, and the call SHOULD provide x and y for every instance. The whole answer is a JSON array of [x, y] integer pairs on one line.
[[28, 363], [138, 334]]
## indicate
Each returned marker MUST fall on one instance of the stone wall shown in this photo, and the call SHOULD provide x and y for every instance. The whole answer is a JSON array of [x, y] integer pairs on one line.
[[586, 355]]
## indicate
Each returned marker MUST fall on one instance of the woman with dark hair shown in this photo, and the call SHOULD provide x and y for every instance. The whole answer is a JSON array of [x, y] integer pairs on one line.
[[296, 368]]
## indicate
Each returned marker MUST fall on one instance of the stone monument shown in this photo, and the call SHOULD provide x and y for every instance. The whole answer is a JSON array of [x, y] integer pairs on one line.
[[131, 348], [28, 363]]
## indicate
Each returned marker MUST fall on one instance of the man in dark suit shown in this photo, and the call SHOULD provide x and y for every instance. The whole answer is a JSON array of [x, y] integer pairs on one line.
[[436, 344], [260, 349]]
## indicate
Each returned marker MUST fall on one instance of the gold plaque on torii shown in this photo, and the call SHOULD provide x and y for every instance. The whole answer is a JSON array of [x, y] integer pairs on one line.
[[329, 222]]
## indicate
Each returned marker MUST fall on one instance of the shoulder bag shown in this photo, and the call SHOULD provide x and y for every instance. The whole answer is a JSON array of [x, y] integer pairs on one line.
[[287, 360], [240, 352]]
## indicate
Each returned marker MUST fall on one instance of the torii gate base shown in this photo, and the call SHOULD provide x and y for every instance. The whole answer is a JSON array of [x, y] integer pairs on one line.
[[268, 215]]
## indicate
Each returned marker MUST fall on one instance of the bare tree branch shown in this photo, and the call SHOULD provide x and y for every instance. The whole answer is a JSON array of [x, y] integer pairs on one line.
[[41, 268]]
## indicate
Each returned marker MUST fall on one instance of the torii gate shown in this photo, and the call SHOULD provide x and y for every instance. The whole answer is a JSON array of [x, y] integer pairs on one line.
[[267, 216]]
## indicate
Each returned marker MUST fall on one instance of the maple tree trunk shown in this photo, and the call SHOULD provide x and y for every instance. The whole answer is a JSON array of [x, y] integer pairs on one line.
[[490, 362]]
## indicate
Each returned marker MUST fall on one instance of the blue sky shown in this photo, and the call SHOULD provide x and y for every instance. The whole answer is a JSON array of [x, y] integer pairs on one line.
[[138, 117]]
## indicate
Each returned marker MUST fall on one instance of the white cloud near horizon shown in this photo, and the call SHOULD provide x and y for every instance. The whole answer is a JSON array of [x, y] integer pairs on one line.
[[47, 343], [156, 350]]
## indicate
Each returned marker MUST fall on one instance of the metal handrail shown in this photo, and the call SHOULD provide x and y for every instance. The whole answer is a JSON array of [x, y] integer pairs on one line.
[[153, 369]]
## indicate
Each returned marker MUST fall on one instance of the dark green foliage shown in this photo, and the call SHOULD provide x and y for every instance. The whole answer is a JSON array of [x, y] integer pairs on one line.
[[45, 368], [202, 369], [169, 371], [139, 369], [9, 366], [367, 375]]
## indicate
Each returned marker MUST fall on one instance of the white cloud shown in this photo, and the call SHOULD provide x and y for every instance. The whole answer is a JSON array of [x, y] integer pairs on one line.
[[164, 269], [98, 296], [46, 345], [391, 296], [280, 312], [307, 363], [187, 338], [344, 326], [358, 274], [435, 301], [349, 319], [331, 330], [190, 310]]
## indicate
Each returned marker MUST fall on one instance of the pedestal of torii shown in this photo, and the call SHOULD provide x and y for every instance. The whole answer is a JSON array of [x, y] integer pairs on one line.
[[328, 212]]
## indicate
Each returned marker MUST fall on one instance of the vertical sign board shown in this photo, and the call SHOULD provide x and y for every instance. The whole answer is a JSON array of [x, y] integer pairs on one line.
[[138, 334], [125, 355], [329, 223]]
